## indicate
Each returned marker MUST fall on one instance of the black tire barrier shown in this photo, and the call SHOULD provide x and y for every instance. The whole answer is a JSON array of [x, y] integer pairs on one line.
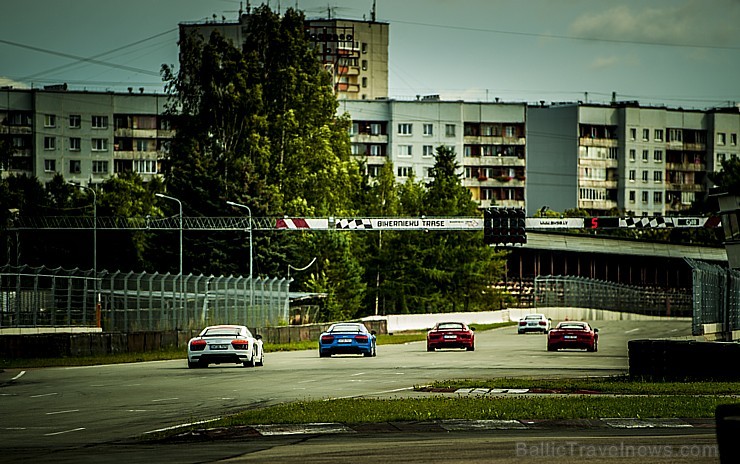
[[727, 417], [683, 360]]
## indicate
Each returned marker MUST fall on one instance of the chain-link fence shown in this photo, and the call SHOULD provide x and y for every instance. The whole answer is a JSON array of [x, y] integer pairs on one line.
[[34, 297], [582, 292], [716, 297]]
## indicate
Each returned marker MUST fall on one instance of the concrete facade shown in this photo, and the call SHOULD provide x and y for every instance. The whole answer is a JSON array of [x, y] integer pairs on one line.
[[85, 136]]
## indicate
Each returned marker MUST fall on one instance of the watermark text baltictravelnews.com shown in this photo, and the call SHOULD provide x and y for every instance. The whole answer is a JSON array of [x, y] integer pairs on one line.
[[553, 449]]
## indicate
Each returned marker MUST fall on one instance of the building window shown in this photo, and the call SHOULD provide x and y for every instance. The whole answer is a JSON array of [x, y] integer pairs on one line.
[[364, 65], [75, 121], [99, 144], [428, 129], [633, 154], [487, 150], [142, 145], [405, 171], [373, 170], [645, 155], [645, 135], [74, 144], [405, 150], [721, 139], [658, 156], [364, 47], [644, 176], [633, 133], [100, 122], [658, 176], [645, 197], [658, 135], [510, 131], [50, 165], [145, 166], [376, 150], [428, 151], [100, 167], [733, 139], [675, 135], [449, 130], [404, 129], [632, 196], [50, 120], [75, 166], [50, 143], [632, 175], [374, 128], [657, 197], [364, 82]]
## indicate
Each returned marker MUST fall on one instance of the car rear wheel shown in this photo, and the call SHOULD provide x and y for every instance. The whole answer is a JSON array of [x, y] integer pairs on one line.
[[323, 354], [253, 360], [593, 348], [430, 348], [261, 361], [471, 348], [551, 348], [193, 365]]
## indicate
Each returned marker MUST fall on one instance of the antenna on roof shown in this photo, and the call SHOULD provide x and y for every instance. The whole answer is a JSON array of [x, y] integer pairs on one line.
[[372, 12]]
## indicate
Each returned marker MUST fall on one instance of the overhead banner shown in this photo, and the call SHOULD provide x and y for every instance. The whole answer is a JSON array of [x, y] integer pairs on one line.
[[554, 223], [410, 224]]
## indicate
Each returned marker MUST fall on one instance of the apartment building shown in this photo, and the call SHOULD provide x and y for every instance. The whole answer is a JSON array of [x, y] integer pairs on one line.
[[85, 136], [649, 161], [354, 52], [488, 138]]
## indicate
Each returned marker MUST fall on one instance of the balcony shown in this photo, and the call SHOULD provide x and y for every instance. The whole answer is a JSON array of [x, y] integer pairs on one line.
[[604, 205], [136, 133], [493, 140], [591, 142], [695, 167], [15, 130], [684, 187], [483, 181], [369, 138], [347, 87], [494, 161]]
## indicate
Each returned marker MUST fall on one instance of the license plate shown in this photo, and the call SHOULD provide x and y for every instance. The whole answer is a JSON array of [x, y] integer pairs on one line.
[[450, 337], [219, 347], [571, 337], [344, 340]]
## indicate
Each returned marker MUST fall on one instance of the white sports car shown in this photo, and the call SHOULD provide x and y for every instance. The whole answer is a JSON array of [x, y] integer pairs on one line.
[[534, 323], [219, 344]]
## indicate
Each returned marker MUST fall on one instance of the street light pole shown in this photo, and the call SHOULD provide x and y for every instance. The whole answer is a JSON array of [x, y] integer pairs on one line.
[[95, 249], [251, 256], [161, 195]]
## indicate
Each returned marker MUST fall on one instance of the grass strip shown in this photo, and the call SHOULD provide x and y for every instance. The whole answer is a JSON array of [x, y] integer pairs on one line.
[[622, 385], [351, 411]]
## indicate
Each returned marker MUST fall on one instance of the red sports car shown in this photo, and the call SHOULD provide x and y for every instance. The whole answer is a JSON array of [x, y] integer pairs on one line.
[[451, 335], [573, 334]]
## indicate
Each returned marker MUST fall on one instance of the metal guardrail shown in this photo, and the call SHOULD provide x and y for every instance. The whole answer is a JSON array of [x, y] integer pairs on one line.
[[581, 292], [38, 297], [716, 297]]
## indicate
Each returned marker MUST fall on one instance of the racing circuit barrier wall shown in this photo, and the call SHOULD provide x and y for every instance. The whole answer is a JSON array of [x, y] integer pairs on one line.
[[56, 345], [132, 302], [679, 360], [582, 292], [716, 308]]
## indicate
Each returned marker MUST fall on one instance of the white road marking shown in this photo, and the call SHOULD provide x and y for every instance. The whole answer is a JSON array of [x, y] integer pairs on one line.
[[19, 375], [13, 428], [632, 330], [62, 412], [299, 429], [45, 394], [395, 390], [63, 431], [164, 399], [136, 410], [359, 373], [183, 425]]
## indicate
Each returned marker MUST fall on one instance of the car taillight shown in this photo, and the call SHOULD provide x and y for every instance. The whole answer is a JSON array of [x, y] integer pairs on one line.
[[197, 345], [361, 338], [240, 344], [327, 338], [543, 323], [522, 322]]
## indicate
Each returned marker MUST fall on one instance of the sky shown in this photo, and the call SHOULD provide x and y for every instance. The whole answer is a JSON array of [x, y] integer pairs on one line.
[[677, 53]]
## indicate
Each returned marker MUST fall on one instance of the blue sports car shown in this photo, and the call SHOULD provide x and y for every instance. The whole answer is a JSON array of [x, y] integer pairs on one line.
[[347, 338]]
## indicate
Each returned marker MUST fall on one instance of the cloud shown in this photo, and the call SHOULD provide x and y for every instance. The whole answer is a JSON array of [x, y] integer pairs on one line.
[[604, 62], [691, 22], [7, 82]]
